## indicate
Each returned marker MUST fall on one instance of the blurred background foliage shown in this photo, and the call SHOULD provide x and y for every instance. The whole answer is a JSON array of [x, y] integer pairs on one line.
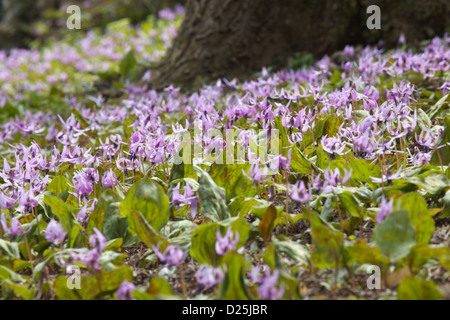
[[30, 23]]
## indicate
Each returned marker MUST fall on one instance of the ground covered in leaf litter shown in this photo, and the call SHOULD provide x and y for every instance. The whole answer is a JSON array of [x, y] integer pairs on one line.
[[91, 182]]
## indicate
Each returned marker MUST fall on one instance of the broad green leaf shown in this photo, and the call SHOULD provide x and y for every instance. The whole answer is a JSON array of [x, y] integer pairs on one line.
[[418, 215], [107, 218], [442, 155], [158, 287], [233, 286], [22, 290], [128, 128], [231, 178], [58, 185], [423, 121], [241, 206], [150, 199], [6, 273], [299, 163], [267, 224], [328, 244], [203, 244], [294, 250], [323, 158], [144, 231], [421, 253], [102, 284], [434, 110], [128, 64], [360, 252], [363, 170], [395, 236], [61, 210], [62, 291], [212, 199], [413, 288], [10, 249], [350, 203]]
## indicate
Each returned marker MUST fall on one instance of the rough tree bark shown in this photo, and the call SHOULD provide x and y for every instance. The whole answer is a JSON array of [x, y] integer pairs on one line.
[[233, 38]]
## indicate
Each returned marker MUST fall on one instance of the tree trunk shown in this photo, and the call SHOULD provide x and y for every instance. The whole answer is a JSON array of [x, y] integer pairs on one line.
[[233, 38]]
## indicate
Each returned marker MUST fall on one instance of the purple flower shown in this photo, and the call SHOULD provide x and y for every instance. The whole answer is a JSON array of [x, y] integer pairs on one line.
[[427, 139], [226, 243], [6, 202], [333, 178], [187, 199], [267, 288], [16, 228], [55, 233], [172, 256], [83, 214], [255, 173], [388, 177], [27, 201], [97, 241], [300, 193], [445, 88], [332, 145], [125, 290], [385, 209], [90, 258], [109, 179], [209, 276]]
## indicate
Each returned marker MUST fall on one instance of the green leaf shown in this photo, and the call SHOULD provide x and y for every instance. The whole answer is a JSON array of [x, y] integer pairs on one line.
[[423, 121], [294, 250], [113, 224], [148, 198], [158, 287], [362, 253], [128, 128], [267, 224], [323, 158], [433, 184], [241, 206], [442, 155], [413, 288], [231, 178], [128, 64], [350, 203], [102, 284], [144, 231], [61, 210], [10, 249], [299, 163], [62, 291], [418, 215], [212, 199], [58, 185], [434, 110], [203, 244], [21, 290], [395, 236], [421, 253], [328, 244], [233, 286], [6, 273], [363, 170]]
